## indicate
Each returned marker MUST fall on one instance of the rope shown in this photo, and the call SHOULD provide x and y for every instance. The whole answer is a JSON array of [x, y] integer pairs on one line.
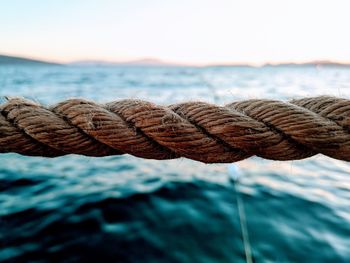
[[200, 131]]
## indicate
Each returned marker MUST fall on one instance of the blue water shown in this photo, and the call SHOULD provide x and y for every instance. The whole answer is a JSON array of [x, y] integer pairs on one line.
[[124, 209]]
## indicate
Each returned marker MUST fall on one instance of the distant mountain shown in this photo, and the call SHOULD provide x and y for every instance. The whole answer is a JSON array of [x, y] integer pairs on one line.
[[14, 60], [139, 62], [11, 60], [317, 63]]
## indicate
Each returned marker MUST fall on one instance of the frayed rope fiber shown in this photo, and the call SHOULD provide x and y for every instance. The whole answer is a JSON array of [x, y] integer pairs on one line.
[[200, 131]]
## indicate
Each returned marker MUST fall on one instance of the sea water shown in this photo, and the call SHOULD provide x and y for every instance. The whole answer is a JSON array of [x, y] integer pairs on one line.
[[125, 209]]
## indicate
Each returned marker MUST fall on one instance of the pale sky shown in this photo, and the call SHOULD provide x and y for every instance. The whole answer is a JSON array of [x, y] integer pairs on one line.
[[185, 31]]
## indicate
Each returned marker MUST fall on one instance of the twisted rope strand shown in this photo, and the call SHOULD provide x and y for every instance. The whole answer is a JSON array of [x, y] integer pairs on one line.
[[197, 130]]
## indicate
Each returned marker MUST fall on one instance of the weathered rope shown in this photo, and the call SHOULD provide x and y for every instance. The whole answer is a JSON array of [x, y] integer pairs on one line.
[[197, 130]]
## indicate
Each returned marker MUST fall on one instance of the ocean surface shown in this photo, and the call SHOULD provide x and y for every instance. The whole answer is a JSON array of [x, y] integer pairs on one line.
[[125, 209]]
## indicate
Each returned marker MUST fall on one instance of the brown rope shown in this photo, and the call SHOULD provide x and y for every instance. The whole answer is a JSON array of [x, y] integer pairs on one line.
[[197, 130]]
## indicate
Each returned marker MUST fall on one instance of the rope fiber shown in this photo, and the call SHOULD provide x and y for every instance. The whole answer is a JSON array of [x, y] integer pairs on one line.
[[204, 132]]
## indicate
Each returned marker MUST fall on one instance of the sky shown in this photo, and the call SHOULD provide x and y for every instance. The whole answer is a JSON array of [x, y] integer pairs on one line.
[[182, 31]]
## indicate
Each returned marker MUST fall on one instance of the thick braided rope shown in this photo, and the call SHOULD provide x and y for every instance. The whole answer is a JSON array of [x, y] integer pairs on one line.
[[197, 130]]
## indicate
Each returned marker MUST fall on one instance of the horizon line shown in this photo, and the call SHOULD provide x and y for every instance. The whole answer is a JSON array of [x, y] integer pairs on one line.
[[160, 61]]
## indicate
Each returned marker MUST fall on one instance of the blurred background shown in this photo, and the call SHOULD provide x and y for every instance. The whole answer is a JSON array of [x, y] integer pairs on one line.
[[125, 209]]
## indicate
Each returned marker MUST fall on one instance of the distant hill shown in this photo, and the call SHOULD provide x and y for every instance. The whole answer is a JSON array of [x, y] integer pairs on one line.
[[139, 62], [317, 63], [11, 60], [14, 60]]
